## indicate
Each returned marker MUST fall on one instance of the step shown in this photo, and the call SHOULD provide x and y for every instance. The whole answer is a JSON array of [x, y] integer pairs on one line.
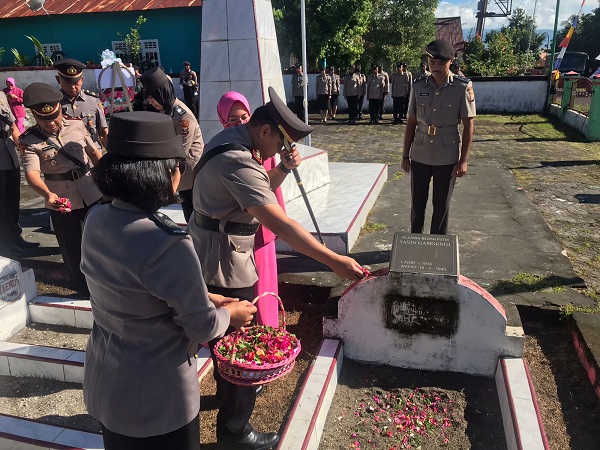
[[341, 208], [17, 433], [26, 360], [313, 171], [61, 311]]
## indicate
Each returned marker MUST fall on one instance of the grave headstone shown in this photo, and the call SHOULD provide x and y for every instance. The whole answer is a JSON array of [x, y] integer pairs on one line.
[[425, 253]]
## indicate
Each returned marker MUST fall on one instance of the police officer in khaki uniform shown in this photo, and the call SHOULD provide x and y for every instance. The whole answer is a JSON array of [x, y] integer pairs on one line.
[[80, 104], [11, 242], [432, 144], [335, 92], [323, 88], [401, 82], [298, 91], [160, 93], [61, 150], [386, 88], [375, 89], [233, 194], [352, 87], [362, 92]]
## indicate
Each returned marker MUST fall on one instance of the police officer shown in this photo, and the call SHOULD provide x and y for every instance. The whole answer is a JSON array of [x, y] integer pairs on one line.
[[323, 88], [80, 104], [11, 242], [298, 91], [375, 89], [352, 87], [408, 90], [386, 88], [335, 92], [432, 144], [401, 82], [160, 93], [362, 91], [232, 196], [61, 150], [188, 80]]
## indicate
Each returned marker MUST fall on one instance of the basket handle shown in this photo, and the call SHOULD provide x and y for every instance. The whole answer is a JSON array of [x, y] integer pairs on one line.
[[258, 297]]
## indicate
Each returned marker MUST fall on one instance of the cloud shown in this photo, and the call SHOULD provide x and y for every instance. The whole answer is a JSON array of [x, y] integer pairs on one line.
[[544, 15]]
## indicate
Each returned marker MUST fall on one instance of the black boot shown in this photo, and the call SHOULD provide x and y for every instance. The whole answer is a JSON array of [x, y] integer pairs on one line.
[[252, 441]]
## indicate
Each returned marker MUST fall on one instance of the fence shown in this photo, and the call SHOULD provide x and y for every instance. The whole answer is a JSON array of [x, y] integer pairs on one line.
[[558, 93], [581, 96]]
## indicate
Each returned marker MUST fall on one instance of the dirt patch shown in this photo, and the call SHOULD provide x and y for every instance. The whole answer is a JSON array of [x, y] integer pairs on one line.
[[468, 403], [52, 336]]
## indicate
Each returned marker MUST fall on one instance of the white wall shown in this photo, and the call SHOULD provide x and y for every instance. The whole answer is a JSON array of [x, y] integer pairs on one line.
[[24, 78], [512, 96]]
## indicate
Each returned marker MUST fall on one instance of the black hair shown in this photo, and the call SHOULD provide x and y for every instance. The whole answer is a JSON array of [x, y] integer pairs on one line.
[[164, 94], [261, 117], [145, 183]]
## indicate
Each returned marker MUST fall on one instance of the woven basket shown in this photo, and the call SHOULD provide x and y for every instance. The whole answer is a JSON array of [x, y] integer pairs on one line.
[[246, 374]]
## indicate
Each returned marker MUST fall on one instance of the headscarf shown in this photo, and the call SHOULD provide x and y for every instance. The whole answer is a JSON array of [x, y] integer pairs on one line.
[[11, 81], [226, 102], [164, 94]]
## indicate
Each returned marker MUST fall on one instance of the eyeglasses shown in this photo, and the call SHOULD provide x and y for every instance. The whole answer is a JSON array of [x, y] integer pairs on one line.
[[182, 165]]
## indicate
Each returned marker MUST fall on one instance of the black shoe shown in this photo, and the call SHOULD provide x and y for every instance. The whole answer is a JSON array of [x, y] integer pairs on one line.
[[260, 389], [23, 244], [253, 441]]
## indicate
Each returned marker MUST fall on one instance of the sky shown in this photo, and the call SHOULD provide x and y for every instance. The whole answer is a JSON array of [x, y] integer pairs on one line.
[[544, 16]]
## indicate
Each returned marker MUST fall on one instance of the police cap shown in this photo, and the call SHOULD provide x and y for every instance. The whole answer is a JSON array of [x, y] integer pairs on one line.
[[292, 128], [144, 135], [152, 79], [398, 65], [440, 49], [70, 69], [43, 100]]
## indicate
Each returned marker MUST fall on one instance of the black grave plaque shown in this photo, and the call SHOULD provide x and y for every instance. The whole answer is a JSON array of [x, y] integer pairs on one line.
[[425, 253], [409, 315]]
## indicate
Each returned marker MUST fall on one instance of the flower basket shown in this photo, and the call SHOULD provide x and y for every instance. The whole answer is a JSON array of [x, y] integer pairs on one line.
[[258, 355]]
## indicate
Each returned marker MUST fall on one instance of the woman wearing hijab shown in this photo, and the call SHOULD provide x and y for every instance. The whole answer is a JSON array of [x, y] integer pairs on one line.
[[15, 99], [141, 381], [159, 91], [233, 110]]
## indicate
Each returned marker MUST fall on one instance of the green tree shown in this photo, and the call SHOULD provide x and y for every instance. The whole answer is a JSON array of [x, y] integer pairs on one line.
[[133, 52], [523, 27], [399, 31], [586, 36], [1, 53], [334, 29]]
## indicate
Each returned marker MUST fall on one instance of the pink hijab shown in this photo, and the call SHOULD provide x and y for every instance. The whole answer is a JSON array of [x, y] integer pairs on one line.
[[226, 102], [11, 81]]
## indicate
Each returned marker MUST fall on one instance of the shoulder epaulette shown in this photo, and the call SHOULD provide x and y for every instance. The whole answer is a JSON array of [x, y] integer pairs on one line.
[[90, 93], [165, 222], [463, 79], [422, 77]]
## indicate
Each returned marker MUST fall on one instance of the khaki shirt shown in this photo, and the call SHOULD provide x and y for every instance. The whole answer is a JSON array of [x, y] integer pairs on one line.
[[352, 85], [224, 189], [297, 88], [38, 155], [386, 89], [187, 126], [335, 84], [443, 108], [323, 85], [8, 152], [375, 87], [150, 306], [363, 85], [401, 84], [87, 107]]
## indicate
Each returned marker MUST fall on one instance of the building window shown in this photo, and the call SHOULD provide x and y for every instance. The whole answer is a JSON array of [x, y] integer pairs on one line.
[[149, 55], [53, 51], [49, 49]]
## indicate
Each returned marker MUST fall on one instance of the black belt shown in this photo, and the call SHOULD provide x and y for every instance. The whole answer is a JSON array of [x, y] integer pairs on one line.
[[235, 228], [71, 175]]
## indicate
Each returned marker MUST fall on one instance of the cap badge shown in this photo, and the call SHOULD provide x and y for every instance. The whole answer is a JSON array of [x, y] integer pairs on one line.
[[46, 109], [71, 70]]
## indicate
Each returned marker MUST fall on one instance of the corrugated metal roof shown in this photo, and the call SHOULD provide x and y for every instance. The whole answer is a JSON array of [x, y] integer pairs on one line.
[[17, 8]]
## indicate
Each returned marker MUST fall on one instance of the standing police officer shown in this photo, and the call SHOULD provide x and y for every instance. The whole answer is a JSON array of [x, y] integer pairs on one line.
[[298, 91], [375, 89], [401, 82], [80, 104], [432, 144], [352, 87], [11, 241], [386, 88], [61, 150], [233, 195]]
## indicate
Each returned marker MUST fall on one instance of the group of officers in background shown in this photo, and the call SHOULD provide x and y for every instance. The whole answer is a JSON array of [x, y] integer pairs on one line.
[[376, 87]]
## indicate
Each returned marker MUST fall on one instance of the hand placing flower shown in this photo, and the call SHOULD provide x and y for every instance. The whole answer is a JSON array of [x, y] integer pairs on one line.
[[63, 204]]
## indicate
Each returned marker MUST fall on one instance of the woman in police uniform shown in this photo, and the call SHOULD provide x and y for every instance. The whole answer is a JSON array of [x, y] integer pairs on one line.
[[149, 302], [61, 150], [159, 91]]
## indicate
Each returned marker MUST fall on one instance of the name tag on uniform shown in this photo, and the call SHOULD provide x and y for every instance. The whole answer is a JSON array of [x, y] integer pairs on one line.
[[424, 94]]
